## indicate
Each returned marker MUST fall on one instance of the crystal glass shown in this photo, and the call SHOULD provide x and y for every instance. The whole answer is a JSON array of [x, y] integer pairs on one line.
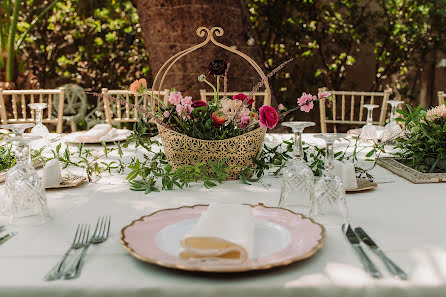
[[298, 179], [368, 131], [25, 200], [392, 130], [17, 129], [40, 129], [330, 207]]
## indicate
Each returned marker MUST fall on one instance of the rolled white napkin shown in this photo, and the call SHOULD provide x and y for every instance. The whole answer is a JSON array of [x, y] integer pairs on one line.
[[52, 175], [224, 234], [94, 134], [110, 135], [346, 172]]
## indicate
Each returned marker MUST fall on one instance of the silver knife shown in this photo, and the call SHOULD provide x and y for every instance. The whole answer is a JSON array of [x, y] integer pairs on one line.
[[6, 237], [355, 242], [392, 267]]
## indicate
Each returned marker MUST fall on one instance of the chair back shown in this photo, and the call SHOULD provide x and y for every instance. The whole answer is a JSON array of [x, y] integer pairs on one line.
[[14, 106], [441, 97], [204, 95], [354, 103], [124, 112]]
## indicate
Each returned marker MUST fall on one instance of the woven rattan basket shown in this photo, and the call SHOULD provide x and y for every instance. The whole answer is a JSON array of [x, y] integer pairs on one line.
[[237, 152], [183, 150]]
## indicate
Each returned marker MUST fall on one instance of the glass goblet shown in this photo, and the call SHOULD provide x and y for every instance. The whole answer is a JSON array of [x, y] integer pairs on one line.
[[330, 207], [392, 130], [368, 131], [298, 179], [25, 200], [17, 129], [40, 129]]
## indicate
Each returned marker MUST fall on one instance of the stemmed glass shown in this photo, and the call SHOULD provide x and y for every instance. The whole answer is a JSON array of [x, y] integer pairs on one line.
[[17, 129], [368, 131], [392, 130], [330, 207], [40, 129], [25, 200], [298, 179]]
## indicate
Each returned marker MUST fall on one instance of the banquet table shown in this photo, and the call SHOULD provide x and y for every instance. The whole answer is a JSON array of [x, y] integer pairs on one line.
[[407, 220]]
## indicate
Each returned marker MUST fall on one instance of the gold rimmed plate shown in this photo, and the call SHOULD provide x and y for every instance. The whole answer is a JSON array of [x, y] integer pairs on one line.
[[281, 238], [363, 185]]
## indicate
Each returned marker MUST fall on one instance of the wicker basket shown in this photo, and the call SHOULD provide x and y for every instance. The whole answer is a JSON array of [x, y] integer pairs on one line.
[[183, 150], [238, 151]]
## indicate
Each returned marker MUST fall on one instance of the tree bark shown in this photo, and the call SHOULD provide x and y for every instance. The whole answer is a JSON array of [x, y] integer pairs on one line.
[[169, 26]]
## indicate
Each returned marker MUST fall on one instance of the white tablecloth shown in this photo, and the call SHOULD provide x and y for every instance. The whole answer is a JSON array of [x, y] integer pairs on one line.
[[407, 220]]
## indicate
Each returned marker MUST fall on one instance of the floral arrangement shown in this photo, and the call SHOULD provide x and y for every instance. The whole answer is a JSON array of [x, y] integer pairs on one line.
[[218, 119], [423, 146]]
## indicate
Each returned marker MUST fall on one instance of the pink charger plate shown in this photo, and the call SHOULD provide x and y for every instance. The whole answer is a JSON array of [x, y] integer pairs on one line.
[[281, 237]]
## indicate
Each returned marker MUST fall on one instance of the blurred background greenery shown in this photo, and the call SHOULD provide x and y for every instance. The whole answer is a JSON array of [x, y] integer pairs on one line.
[[340, 44]]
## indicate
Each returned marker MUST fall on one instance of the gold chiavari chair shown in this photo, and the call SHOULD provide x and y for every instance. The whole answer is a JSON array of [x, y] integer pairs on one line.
[[345, 100], [14, 106]]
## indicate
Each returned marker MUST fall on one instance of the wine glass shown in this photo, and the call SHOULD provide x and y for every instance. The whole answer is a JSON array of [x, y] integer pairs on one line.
[[25, 200], [298, 179], [40, 129], [392, 130], [17, 129], [330, 207], [368, 131]]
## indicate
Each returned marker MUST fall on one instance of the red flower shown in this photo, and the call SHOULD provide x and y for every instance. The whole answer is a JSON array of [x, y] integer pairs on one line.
[[240, 96], [243, 97], [268, 117], [198, 103], [218, 120]]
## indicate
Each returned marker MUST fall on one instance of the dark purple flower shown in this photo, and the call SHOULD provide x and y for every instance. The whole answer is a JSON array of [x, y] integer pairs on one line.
[[217, 67], [198, 103]]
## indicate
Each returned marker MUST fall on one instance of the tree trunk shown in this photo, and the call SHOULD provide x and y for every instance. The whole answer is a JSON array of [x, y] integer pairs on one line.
[[169, 26]]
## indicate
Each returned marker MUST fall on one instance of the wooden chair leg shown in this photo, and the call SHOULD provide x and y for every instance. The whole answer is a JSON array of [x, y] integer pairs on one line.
[[73, 126]]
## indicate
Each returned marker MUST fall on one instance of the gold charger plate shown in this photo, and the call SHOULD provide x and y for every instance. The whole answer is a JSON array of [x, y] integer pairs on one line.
[[281, 237], [363, 185], [69, 181]]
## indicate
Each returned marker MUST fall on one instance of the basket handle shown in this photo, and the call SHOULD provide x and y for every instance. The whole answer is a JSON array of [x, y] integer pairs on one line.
[[201, 32]]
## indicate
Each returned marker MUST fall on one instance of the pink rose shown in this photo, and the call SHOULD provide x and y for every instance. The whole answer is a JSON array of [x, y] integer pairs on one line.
[[324, 94], [268, 117], [198, 103], [175, 98], [186, 100], [138, 86], [307, 107], [281, 107], [166, 113]]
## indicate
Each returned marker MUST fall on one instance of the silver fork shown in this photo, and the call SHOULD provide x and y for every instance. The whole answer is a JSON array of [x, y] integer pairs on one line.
[[100, 234], [80, 240]]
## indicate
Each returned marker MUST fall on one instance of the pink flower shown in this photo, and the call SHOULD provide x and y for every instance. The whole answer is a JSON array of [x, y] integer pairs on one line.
[[307, 107], [281, 107], [166, 113], [138, 86], [304, 99], [175, 98], [240, 96], [244, 121], [268, 117], [184, 110], [198, 103], [186, 100], [324, 94]]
